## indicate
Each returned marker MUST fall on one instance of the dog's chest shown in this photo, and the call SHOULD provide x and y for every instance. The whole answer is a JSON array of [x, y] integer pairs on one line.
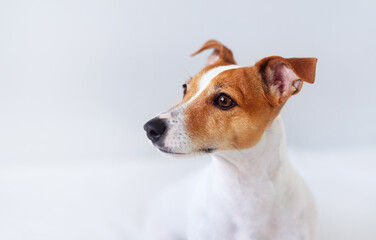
[[243, 209]]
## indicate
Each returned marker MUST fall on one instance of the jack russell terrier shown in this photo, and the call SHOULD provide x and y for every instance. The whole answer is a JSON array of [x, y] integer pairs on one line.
[[250, 191]]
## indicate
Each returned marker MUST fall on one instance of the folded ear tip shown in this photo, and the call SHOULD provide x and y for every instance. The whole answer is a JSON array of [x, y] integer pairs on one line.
[[314, 71], [312, 81], [313, 61], [224, 54], [211, 41], [208, 44]]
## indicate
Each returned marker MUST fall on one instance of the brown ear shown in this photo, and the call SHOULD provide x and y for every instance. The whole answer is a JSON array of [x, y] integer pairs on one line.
[[220, 53], [284, 76]]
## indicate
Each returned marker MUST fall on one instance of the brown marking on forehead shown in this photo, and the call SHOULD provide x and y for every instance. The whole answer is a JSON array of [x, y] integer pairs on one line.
[[237, 128]]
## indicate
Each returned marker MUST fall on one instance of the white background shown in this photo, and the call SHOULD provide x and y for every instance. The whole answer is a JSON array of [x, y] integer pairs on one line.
[[78, 79]]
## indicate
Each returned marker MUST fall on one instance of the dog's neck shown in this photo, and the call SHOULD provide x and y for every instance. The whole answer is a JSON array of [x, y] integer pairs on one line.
[[250, 170]]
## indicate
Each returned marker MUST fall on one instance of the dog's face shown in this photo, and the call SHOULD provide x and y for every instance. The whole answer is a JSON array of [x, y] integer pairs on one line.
[[226, 106]]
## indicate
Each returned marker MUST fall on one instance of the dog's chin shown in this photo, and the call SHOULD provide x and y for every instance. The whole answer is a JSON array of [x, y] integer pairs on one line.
[[172, 153], [177, 154]]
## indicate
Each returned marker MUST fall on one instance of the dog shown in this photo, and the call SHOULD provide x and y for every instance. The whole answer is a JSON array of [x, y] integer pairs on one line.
[[250, 191]]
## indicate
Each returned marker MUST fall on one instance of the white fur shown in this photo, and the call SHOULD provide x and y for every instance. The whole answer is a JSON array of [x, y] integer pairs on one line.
[[251, 194]]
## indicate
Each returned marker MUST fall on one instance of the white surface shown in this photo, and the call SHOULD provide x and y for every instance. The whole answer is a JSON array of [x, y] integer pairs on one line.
[[344, 185], [108, 201]]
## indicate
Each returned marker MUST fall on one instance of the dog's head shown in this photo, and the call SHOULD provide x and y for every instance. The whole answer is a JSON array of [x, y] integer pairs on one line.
[[226, 106]]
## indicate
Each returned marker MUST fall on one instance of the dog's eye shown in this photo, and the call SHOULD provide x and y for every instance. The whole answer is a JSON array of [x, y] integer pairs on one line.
[[184, 89], [223, 101]]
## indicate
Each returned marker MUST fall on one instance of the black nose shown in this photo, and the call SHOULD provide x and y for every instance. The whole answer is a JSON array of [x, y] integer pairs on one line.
[[155, 129]]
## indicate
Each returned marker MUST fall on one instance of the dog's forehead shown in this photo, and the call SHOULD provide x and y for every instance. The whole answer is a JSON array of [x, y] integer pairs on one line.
[[204, 79]]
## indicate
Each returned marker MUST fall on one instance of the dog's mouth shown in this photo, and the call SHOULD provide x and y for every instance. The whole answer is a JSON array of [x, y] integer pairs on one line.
[[207, 150]]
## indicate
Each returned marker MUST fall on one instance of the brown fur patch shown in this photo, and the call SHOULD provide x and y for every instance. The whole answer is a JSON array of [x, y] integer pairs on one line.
[[237, 128]]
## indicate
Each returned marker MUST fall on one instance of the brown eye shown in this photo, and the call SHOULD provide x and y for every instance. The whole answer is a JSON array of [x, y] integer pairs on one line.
[[184, 89], [223, 101]]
